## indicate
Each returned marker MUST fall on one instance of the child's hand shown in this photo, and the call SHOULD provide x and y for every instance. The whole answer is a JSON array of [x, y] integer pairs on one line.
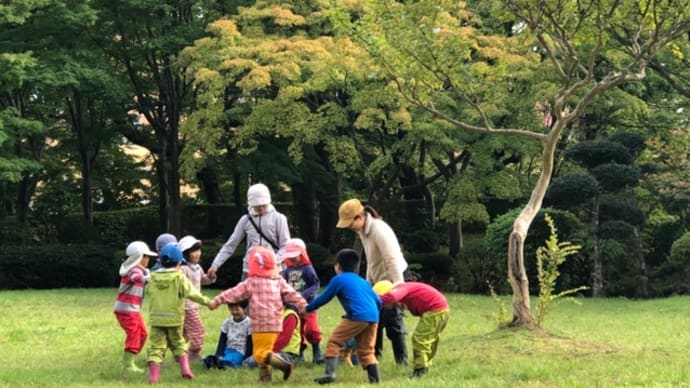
[[212, 305]]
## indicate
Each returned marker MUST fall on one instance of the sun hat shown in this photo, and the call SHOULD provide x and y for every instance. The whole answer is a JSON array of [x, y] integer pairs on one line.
[[382, 287], [348, 211], [135, 251], [293, 248], [188, 242], [258, 195], [165, 239], [262, 262], [171, 253]]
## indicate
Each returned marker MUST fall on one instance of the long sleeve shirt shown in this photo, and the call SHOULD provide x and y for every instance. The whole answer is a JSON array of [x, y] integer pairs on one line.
[[418, 298], [304, 279], [131, 291], [272, 224], [266, 296], [197, 277], [355, 295], [385, 260]]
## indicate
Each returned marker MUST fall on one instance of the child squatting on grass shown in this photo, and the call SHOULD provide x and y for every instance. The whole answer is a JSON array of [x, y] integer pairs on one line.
[[361, 305], [133, 278], [426, 302], [266, 291], [193, 325], [167, 290]]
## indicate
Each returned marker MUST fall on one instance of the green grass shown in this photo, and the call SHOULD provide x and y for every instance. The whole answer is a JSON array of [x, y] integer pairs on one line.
[[71, 338]]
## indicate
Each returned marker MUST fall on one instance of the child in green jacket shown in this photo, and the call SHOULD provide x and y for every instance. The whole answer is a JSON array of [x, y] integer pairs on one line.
[[166, 293]]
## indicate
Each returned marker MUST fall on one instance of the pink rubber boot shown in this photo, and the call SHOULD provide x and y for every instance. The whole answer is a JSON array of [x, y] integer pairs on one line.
[[154, 372], [184, 367]]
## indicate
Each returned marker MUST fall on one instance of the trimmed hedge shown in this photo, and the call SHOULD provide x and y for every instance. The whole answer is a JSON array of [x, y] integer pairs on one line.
[[59, 266]]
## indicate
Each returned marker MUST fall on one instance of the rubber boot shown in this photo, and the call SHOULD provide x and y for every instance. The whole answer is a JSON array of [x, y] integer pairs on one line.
[[399, 349], [128, 363], [195, 356], [184, 367], [373, 373], [300, 359], [277, 362], [418, 372], [265, 373], [316, 353], [154, 372], [331, 366]]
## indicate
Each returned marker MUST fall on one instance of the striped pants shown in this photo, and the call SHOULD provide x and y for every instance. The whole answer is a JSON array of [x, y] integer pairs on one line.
[[193, 331]]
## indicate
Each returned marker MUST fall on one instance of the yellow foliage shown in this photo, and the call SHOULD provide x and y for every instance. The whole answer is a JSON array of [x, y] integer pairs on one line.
[[259, 77], [225, 28]]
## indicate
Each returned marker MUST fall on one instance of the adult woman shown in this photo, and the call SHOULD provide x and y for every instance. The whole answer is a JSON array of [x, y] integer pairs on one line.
[[385, 261], [263, 225]]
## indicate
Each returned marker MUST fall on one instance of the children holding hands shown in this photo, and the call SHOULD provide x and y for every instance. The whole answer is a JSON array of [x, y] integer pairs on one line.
[[266, 291]]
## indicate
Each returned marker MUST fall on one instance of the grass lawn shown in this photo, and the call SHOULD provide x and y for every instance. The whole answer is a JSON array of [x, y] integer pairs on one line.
[[71, 338]]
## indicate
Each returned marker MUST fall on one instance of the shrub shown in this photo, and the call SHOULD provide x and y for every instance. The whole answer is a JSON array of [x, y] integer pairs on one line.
[[432, 268], [13, 232], [478, 271], [59, 266], [422, 241], [74, 229]]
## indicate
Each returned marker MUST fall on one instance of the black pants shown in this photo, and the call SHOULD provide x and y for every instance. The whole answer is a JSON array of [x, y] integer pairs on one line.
[[392, 321]]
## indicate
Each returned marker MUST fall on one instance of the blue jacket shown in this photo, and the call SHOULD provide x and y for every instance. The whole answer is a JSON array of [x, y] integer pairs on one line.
[[358, 299]]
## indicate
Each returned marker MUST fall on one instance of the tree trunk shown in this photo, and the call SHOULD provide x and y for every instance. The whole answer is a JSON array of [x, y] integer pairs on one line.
[[598, 270], [175, 209], [643, 286], [454, 238], [209, 181]]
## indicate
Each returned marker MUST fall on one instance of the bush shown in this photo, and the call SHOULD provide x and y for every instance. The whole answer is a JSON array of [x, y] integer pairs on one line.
[[59, 266], [12, 232], [74, 229], [432, 268], [422, 241], [478, 270]]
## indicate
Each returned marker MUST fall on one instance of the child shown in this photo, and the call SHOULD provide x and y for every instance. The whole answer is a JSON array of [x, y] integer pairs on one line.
[[234, 343], [162, 240], [425, 302], [133, 278], [288, 343], [264, 288], [300, 274], [167, 290], [193, 326], [361, 318]]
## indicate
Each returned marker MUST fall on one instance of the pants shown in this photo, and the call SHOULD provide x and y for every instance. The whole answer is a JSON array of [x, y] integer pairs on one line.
[[364, 334], [232, 358], [262, 344], [392, 321], [311, 333], [426, 337], [193, 330], [164, 338], [135, 331]]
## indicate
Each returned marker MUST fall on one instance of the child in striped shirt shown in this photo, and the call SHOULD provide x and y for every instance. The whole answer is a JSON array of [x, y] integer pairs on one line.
[[133, 277]]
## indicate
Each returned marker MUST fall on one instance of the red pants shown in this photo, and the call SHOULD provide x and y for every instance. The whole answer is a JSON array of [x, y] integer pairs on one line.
[[311, 333], [135, 329]]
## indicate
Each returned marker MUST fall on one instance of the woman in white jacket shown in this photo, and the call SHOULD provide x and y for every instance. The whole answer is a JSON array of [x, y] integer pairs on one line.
[[385, 261], [262, 225]]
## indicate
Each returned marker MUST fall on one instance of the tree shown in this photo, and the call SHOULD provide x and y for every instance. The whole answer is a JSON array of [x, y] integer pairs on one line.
[[441, 61]]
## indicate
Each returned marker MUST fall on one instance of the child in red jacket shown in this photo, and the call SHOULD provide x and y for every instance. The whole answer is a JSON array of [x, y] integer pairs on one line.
[[425, 302]]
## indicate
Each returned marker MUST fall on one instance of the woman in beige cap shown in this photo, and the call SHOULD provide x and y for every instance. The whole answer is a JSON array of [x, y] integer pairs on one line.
[[385, 261]]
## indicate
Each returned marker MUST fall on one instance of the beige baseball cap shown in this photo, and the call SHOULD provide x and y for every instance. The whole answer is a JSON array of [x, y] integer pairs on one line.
[[348, 211]]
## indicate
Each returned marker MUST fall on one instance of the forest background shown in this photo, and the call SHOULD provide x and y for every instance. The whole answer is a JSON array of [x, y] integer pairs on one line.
[[122, 120]]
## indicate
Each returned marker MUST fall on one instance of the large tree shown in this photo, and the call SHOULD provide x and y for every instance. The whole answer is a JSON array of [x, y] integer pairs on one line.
[[556, 55]]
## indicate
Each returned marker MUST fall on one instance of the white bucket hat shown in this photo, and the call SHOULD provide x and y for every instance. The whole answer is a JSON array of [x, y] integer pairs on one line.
[[135, 252], [258, 195], [187, 242]]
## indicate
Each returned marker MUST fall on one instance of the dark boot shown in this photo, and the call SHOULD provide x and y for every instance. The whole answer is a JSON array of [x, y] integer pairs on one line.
[[265, 373], [331, 366], [317, 357], [373, 372], [418, 372], [277, 362], [399, 349]]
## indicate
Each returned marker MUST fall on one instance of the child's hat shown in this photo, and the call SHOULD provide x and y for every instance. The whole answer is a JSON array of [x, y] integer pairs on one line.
[[262, 262], [135, 252], [171, 253], [382, 287], [188, 242], [296, 247], [258, 195], [165, 239]]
